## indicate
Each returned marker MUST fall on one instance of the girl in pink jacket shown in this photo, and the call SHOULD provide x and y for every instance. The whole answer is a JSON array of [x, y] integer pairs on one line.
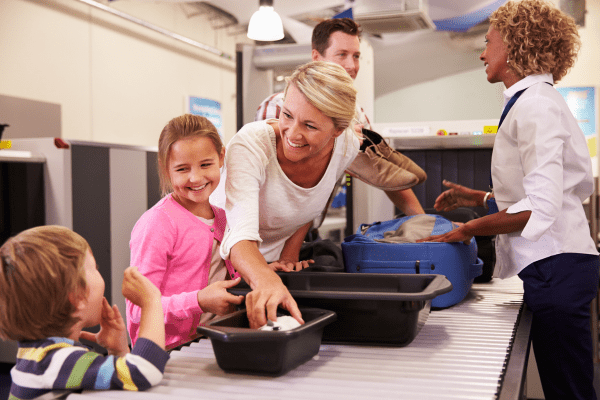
[[176, 243]]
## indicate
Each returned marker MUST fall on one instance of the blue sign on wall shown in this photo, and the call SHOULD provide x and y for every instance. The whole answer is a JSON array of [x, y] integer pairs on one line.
[[209, 109], [582, 103]]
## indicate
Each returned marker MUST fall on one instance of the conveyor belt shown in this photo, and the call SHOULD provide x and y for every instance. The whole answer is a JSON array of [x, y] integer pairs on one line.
[[461, 353]]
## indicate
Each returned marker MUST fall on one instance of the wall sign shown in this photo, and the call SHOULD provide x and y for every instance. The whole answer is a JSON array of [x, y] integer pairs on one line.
[[208, 108], [583, 103]]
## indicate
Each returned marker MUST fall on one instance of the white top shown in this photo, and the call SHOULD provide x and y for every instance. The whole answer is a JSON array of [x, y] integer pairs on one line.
[[541, 163], [262, 204], [270, 108]]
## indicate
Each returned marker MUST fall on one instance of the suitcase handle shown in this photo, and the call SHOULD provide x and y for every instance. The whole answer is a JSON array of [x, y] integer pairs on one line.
[[415, 266], [418, 266], [476, 269]]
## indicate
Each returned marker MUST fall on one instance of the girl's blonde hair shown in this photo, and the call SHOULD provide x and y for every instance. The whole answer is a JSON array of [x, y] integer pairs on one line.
[[182, 127], [329, 88], [40, 268], [539, 37]]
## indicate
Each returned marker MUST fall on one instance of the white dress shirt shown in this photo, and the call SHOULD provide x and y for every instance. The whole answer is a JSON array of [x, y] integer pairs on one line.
[[541, 163]]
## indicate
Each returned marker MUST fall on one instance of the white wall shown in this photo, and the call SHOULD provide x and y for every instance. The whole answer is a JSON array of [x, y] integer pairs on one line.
[[468, 95], [464, 96], [116, 81], [587, 69], [365, 82]]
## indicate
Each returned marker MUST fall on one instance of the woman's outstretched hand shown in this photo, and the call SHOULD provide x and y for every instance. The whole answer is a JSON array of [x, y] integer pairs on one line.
[[458, 196], [459, 234]]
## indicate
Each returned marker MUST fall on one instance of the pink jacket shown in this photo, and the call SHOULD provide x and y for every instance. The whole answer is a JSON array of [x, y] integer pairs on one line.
[[173, 248]]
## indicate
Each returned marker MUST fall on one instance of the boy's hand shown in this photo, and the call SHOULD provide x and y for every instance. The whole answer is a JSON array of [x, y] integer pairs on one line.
[[215, 299], [138, 289], [113, 333], [141, 291]]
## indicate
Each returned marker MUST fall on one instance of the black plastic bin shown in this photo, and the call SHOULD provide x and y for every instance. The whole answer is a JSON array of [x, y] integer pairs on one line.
[[386, 309], [243, 350]]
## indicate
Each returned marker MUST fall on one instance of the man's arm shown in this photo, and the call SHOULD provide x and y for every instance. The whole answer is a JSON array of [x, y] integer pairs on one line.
[[290, 254], [406, 201]]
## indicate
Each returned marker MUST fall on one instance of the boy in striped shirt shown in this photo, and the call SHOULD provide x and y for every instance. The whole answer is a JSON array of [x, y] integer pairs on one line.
[[50, 289]]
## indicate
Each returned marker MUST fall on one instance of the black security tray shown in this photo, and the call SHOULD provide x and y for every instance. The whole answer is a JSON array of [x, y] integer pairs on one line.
[[387, 309], [243, 350]]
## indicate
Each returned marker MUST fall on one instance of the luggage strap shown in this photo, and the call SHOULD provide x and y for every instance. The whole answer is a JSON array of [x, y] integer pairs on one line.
[[410, 267], [400, 267]]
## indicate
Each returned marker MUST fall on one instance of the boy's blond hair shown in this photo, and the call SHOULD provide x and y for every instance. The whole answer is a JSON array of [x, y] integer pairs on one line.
[[39, 269]]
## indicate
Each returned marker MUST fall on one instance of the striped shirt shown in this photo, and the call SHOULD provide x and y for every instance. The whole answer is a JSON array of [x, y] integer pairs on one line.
[[58, 363]]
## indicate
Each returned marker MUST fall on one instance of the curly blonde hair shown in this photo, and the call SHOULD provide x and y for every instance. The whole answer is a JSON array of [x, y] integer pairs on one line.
[[539, 37]]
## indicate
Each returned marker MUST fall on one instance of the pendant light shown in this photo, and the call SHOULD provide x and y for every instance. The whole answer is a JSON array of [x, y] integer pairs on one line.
[[265, 24]]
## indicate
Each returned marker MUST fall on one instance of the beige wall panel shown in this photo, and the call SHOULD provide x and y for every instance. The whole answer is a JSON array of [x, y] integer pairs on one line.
[[45, 57], [115, 81]]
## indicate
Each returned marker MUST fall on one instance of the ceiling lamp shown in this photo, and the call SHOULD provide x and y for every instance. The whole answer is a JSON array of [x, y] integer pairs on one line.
[[265, 24]]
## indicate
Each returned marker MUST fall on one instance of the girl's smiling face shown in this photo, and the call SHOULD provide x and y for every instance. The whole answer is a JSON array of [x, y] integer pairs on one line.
[[194, 170]]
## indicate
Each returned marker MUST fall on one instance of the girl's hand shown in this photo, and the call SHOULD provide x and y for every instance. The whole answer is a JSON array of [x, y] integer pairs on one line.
[[138, 289], [457, 196], [289, 266], [216, 299], [113, 333]]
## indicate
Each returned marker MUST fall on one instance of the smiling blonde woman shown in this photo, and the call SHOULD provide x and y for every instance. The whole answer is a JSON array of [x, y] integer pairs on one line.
[[279, 176]]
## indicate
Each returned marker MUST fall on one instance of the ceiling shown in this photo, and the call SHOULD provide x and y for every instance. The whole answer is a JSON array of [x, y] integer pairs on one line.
[[400, 59]]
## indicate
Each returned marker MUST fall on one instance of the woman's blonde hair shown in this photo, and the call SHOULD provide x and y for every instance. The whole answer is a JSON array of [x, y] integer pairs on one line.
[[40, 268], [182, 127], [329, 88], [539, 37]]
